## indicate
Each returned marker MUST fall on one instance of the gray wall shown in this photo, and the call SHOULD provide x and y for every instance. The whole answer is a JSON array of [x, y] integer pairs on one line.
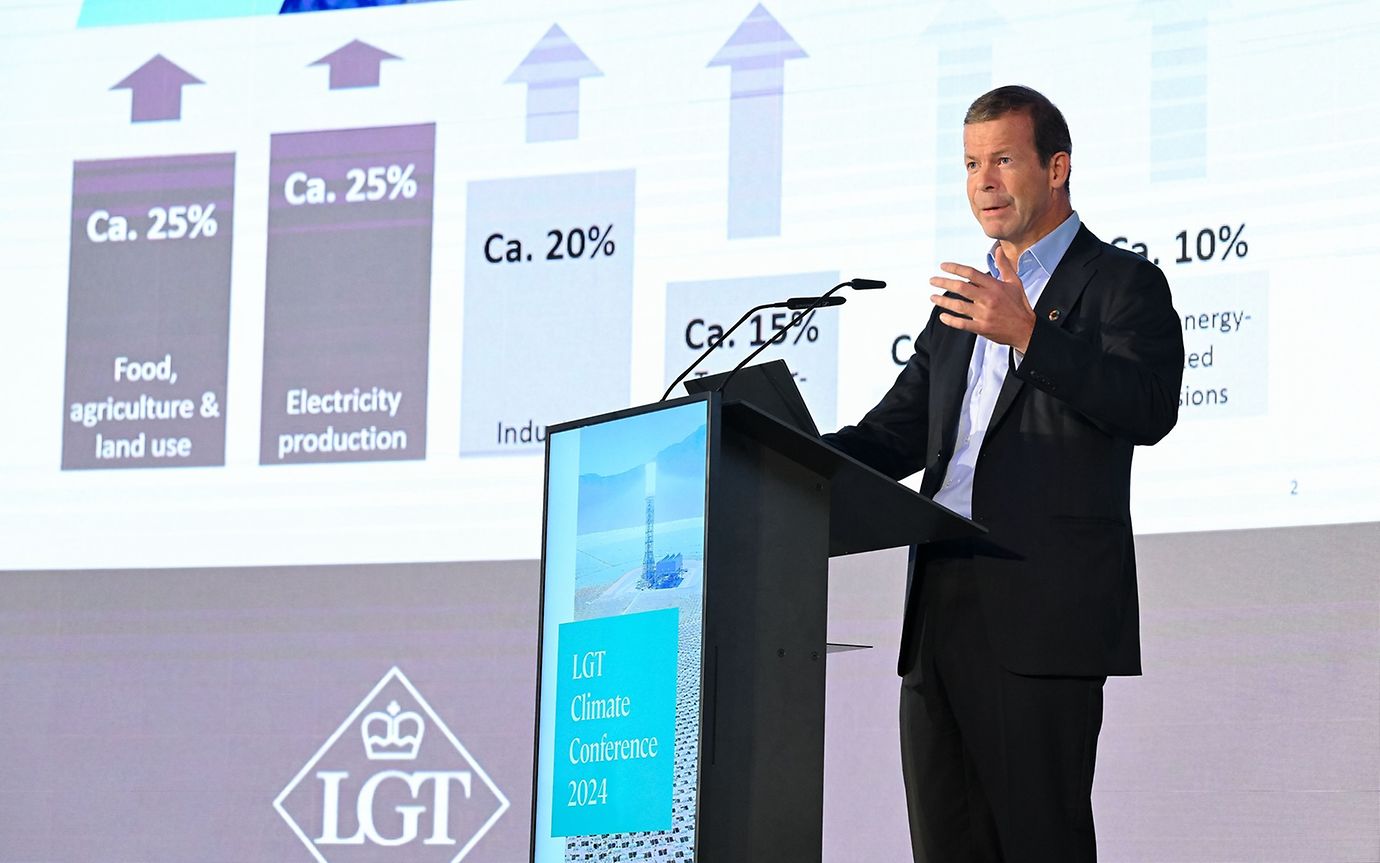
[[154, 715]]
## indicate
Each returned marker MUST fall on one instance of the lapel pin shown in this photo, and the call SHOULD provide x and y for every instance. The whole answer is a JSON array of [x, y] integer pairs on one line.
[[1054, 314]]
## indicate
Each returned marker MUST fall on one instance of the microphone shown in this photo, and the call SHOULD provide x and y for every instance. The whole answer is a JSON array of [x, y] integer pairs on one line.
[[794, 303], [797, 303], [825, 300]]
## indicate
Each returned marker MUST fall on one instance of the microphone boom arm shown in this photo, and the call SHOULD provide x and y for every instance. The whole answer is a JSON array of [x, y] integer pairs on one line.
[[800, 315], [720, 340]]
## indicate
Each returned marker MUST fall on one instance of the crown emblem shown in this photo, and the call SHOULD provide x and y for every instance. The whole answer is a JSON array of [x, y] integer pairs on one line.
[[384, 737]]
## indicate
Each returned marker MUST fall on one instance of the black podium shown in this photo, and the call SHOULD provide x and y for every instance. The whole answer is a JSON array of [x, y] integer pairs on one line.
[[778, 503]]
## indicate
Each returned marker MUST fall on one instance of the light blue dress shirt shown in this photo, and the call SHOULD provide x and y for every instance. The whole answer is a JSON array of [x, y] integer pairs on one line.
[[987, 369]]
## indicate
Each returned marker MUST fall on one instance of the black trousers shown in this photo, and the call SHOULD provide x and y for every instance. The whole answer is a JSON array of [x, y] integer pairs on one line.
[[998, 766]]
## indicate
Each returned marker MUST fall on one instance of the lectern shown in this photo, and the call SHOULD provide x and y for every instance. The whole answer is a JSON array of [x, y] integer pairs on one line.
[[680, 704]]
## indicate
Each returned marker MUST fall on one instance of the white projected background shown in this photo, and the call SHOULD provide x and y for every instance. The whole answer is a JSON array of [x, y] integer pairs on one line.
[[282, 338]]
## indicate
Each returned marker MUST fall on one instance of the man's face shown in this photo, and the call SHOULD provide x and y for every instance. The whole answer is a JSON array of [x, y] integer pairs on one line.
[[1014, 197]]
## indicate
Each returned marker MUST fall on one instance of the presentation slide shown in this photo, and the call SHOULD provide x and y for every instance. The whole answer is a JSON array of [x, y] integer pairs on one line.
[[294, 289], [419, 234]]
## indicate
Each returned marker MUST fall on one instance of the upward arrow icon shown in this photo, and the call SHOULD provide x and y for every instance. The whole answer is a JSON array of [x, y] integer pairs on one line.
[[963, 33], [1179, 48], [552, 71], [355, 64], [756, 54], [156, 90]]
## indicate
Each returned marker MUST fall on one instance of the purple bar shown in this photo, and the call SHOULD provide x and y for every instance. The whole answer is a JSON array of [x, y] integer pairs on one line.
[[348, 305], [148, 312]]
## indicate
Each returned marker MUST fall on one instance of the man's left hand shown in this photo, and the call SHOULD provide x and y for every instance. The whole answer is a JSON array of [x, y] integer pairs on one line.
[[998, 308]]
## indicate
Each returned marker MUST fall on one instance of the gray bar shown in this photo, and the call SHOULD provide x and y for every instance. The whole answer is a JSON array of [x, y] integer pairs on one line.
[[148, 312]]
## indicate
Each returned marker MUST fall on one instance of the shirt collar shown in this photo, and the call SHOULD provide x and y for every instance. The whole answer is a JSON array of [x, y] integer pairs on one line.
[[1047, 252]]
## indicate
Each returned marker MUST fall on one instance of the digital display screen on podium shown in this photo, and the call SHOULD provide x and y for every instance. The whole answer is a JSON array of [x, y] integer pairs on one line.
[[618, 728]]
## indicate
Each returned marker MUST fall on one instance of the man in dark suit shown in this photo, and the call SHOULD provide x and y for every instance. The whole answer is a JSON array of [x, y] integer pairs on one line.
[[1029, 387]]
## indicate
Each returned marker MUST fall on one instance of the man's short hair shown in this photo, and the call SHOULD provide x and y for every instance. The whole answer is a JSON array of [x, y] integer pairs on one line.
[[1051, 131]]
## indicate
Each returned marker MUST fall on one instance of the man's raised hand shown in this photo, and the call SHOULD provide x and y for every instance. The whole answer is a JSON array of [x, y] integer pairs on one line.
[[997, 308]]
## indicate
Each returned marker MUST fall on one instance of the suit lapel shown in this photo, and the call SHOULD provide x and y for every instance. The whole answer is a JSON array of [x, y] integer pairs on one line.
[[1064, 288]]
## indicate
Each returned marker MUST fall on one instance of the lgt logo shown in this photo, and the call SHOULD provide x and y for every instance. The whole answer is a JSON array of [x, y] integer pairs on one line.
[[391, 776]]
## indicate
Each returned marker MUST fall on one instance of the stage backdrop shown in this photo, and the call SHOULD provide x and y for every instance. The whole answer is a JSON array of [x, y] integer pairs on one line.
[[291, 294]]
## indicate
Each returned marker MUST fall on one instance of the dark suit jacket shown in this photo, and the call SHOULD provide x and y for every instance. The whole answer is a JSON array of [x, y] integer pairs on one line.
[[1052, 482]]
